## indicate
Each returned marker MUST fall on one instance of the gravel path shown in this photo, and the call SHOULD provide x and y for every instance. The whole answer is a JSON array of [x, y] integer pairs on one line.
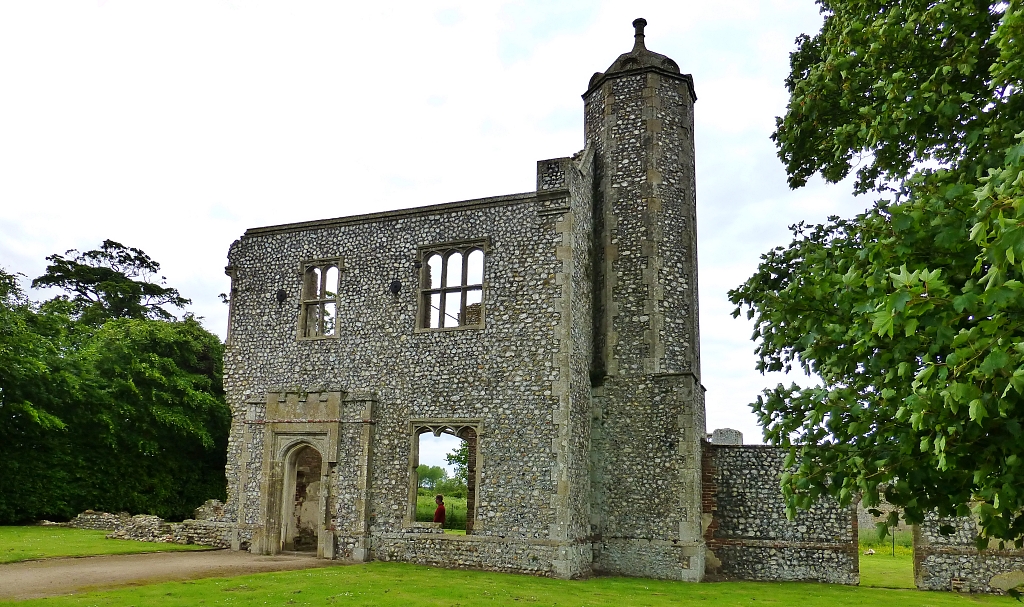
[[51, 577]]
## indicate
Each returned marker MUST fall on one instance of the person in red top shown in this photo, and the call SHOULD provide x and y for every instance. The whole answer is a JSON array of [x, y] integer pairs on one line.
[[439, 513]]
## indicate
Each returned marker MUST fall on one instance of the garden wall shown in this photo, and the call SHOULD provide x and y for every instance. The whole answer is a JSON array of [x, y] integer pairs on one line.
[[748, 535], [953, 562]]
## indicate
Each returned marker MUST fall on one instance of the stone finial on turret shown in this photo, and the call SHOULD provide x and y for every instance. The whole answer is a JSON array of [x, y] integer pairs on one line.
[[639, 58], [638, 35]]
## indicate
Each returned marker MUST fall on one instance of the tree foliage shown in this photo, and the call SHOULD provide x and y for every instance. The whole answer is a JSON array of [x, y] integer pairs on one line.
[[912, 313], [460, 459], [123, 415], [28, 359], [430, 476], [36, 385], [113, 281], [155, 434]]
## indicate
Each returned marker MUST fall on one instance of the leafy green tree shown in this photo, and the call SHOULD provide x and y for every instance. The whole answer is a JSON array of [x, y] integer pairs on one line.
[[101, 405], [430, 475], [36, 385], [113, 281], [155, 433], [912, 313], [460, 459], [451, 487], [26, 358]]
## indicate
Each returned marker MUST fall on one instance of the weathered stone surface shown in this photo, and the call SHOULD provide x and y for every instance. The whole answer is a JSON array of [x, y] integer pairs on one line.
[[648, 408], [211, 510], [953, 562], [210, 528], [149, 528], [726, 436], [98, 521], [748, 535]]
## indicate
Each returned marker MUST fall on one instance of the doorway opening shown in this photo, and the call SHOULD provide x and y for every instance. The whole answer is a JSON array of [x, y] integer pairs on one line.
[[302, 504]]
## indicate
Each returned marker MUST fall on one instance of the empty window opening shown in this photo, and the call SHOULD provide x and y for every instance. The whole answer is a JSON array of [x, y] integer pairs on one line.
[[452, 288], [319, 315], [302, 511], [446, 466]]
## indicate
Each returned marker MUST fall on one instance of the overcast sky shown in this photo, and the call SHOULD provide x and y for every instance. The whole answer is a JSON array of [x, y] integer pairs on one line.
[[174, 126]]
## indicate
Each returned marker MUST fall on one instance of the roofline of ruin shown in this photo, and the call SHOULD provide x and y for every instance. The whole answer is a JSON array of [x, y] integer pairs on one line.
[[446, 207]]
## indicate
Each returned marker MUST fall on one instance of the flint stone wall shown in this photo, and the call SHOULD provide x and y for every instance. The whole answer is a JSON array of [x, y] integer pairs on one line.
[[953, 562], [149, 528], [520, 380], [581, 384], [648, 409], [748, 535], [471, 552], [211, 527], [98, 521]]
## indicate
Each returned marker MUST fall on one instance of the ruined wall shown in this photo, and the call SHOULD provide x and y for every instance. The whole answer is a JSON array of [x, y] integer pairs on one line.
[[565, 187], [150, 528], [211, 527], [512, 379], [748, 535], [953, 562], [648, 401], [97, 521]]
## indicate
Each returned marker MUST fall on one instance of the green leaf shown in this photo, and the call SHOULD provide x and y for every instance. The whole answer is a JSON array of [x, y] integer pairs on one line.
[[977, 411], [882, 323], [996, 360]]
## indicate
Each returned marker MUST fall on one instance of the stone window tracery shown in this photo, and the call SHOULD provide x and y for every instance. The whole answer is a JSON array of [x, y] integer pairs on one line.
[[452, 286], [467, 431], [319, 307]]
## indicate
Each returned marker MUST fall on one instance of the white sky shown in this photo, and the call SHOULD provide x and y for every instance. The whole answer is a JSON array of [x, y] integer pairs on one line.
[[174, 126], [433, 450]]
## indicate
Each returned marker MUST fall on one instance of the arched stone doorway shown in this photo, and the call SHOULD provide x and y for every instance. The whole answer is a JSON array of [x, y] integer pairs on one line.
[[301, 504], [300, 440]]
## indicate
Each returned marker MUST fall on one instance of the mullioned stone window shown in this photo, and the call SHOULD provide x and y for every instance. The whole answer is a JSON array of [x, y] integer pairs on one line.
[[452, 286], [319, 308]]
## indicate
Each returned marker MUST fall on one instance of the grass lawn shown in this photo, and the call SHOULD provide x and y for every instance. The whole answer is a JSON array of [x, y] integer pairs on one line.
[[454, 509], [33, 542], [410, 585], [883, 570]]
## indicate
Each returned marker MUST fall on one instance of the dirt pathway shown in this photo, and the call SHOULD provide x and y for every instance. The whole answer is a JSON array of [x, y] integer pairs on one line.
[[50, 577]]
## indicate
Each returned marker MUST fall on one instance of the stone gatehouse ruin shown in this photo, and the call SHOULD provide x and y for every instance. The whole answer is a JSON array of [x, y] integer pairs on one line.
[[554, 331]]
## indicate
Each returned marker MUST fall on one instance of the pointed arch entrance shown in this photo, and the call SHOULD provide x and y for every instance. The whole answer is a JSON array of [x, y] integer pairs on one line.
[[306, 500], [302, 509]]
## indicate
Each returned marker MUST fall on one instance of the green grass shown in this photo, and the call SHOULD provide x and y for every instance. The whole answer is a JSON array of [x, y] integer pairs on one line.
[[385, 584], [454, 510], [869, 539], [35, 542], [883, 570]]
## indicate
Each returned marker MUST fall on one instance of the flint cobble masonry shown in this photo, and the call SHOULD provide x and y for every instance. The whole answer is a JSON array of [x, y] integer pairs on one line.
[[953, 562], [570, 366], [748, 535], [98, 521], [210, 527]]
